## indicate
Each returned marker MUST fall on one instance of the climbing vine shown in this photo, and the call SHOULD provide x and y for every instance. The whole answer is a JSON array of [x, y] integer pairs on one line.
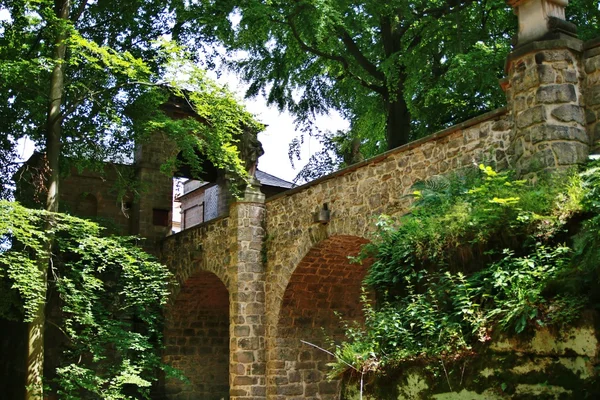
[[110, 296], [480, 252]]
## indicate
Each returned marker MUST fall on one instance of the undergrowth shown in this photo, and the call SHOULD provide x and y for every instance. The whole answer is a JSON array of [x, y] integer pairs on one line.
[[479, 252]]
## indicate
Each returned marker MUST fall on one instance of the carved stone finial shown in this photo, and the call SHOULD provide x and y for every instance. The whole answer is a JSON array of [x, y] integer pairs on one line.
[[538, 18]]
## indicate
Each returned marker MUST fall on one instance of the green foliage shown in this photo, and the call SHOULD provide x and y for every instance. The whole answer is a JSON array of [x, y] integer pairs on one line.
[[114, 59], [111, 294], [479, 252], [369, 60]]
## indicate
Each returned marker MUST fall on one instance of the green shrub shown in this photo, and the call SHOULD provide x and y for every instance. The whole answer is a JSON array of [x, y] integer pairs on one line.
[[111, 293], [479, 251]]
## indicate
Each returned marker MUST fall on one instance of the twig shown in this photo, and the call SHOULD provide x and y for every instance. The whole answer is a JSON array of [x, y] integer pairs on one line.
[[446, 373], [328, 352]]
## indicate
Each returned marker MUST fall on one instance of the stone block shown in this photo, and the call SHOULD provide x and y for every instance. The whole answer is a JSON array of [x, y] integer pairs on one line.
[[258, 391], [501, 125], [290, 390], [568, 113], [553, 56], [592, 64], [244, 357], [556, 94], [531, 116], [240, 331], [538, 161], [570, 153], [546, 74], [542, 133], [590, 116], [570, 76], [592, 97], [244, 380]]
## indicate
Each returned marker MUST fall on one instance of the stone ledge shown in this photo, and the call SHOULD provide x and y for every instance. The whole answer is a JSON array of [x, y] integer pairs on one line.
[[409, 146], [591, 48], [565, 42], [180, 234]]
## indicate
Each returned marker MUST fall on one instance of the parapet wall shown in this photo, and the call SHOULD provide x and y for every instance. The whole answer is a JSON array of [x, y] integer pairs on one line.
[[356, 195]]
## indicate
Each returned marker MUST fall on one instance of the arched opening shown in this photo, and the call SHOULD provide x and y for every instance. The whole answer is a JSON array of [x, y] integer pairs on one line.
[[197, 339], [324, 287]]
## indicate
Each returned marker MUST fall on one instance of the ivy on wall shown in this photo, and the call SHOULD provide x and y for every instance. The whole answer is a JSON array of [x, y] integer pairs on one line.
[[479, 252], [110, 297]]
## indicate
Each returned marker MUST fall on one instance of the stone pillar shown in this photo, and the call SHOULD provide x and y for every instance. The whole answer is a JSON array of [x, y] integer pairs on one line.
[[544, 90], [247, 378], [592, 91]]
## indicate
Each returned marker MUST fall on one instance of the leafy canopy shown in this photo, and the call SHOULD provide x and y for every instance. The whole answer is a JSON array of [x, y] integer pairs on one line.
[[116, 55], [111, 294]]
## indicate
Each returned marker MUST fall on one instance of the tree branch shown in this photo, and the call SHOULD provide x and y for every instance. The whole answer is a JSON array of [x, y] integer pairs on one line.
[[91, 94], [80, 11], [332, 57], [360, 58]]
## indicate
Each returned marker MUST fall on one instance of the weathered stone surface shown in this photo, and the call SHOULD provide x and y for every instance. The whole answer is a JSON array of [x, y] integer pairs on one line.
[[570, 153], [590, 116], [568, 113], [592, 97], [546, 74], [556, 94], [531, 116], [553, 56], [592, 64], [286, 288], [542, 133], [198, 322]]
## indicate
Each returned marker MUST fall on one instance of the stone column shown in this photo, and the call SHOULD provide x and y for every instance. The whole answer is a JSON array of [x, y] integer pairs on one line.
[[544, 90], [247, 306]]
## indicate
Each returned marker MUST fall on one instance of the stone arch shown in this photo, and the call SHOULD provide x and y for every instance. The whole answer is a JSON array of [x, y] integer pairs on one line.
[[323, 283], [197, 339]]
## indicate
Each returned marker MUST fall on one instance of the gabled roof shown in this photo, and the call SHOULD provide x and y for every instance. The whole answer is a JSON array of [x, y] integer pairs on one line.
[[264, 179], [270, 180]]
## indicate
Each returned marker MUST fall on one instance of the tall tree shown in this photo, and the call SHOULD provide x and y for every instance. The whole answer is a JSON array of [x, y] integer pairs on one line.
[[71, 69], [374, 61], [396, 69]]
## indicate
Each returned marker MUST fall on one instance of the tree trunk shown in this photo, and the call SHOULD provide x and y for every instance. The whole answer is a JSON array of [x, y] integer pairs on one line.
[[398, 121], [35, 350]]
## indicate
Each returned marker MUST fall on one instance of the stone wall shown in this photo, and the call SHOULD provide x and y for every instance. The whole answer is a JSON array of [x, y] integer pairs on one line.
[[355, 197], [546, 365], [286, 271], [204, 247], [197, 339], [152, 209], [230, 248], [324, 288], [591, 58], [94, 195]]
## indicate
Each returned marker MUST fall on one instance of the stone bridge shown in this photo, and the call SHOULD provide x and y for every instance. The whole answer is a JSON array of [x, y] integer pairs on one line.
[[256, 282]]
